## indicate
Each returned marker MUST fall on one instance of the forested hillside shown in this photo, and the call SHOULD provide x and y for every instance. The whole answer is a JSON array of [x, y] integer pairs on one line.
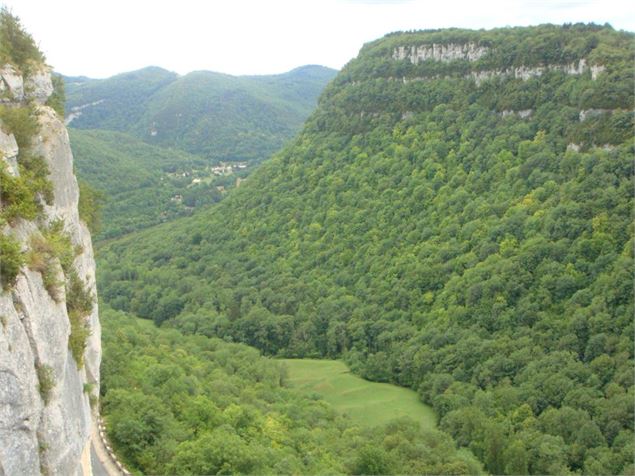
[[217, 116], [152, 143], [456, 218], [138, 184]]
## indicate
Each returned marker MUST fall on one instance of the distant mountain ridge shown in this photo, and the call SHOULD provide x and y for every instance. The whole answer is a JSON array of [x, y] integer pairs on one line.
[[216, 115]]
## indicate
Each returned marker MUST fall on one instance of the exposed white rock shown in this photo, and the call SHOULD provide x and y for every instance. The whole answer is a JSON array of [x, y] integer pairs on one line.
[[20, 402], [523, 113], [38, 86], [9, 152], [36, 436], [588, 113], [596, 70], [520, 72], [526, 72], [440, 52], [78, 110], [12, 84]]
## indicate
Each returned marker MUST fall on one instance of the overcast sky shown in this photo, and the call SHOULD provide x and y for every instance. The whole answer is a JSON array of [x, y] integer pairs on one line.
[[106, 37]]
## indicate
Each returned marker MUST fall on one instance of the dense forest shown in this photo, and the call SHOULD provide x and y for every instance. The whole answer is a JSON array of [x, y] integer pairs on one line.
[[138, 184], [462, 227], [195, 405], [147, 141], [214, 115]]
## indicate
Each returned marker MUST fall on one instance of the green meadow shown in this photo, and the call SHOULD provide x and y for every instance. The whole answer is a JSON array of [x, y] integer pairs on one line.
[[367, 403]]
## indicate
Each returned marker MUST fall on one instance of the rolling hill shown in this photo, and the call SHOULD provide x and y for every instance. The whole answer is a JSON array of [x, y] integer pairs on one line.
[[217, 116], [455, 217]]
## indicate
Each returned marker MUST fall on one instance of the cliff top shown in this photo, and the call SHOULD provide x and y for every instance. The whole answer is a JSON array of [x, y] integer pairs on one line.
[[17, 47]]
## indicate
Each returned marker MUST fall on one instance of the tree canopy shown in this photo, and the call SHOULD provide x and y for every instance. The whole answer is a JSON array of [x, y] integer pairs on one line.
[[470, 239]]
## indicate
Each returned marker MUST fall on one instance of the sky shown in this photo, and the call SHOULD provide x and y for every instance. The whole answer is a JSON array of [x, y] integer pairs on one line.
[[102, 38]]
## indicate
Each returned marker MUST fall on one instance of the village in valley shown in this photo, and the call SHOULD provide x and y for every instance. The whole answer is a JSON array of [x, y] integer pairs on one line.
[[221, 175]]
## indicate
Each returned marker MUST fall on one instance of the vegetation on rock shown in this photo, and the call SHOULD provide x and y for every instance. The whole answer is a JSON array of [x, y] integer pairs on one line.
[[16, 45], [11, 260], [20, 197]]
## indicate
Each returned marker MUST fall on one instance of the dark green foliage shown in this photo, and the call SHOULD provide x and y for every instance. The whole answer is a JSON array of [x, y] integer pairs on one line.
[[20, 196], [17, 199], [218, 116], [58, 98], [79, 304], [124, 96], [179, 404], [16, 45], [434, 242], [90, 205], [21, 122], [136, 182], [11, 260]]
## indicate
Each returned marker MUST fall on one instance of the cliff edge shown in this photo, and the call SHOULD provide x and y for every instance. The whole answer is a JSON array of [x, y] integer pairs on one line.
[[49, 328]]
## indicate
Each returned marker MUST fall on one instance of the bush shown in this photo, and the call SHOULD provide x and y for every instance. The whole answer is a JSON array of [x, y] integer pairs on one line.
[[79, 304], [46, 381], [52, 246], [19, 195], [61, 245], [21, 122], [16, 199], [58, 98], [41, 259], [11, 260]]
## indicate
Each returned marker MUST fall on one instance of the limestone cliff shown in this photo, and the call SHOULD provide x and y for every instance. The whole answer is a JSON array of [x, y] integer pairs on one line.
[[45, 388]]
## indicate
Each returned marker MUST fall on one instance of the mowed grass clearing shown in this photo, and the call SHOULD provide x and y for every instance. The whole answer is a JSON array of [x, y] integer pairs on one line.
[[367, 403]]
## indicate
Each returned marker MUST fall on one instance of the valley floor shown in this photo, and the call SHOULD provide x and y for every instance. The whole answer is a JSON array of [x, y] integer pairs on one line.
[[367, 403]]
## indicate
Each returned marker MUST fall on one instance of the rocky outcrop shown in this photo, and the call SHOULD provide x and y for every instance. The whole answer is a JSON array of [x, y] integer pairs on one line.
[[440, 52], [527, 72], [472, 52], [45, 411], [77, 111], [36, 87]]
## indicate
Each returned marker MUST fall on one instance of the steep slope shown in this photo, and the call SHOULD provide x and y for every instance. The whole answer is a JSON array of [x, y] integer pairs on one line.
[[140, 184], [50, 335], [219, 116], [455, 217]]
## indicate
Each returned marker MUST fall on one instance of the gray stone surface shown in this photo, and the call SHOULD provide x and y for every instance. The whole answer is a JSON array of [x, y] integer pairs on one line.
[[36, 436], [9, 151], [38, 86], [11, 84]]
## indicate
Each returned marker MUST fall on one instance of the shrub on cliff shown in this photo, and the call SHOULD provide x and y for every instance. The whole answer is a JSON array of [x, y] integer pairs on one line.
[[17, 47]]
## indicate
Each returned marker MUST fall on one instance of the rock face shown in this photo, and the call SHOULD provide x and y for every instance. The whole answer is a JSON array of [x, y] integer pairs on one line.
[[440, 52], [44, 432]]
